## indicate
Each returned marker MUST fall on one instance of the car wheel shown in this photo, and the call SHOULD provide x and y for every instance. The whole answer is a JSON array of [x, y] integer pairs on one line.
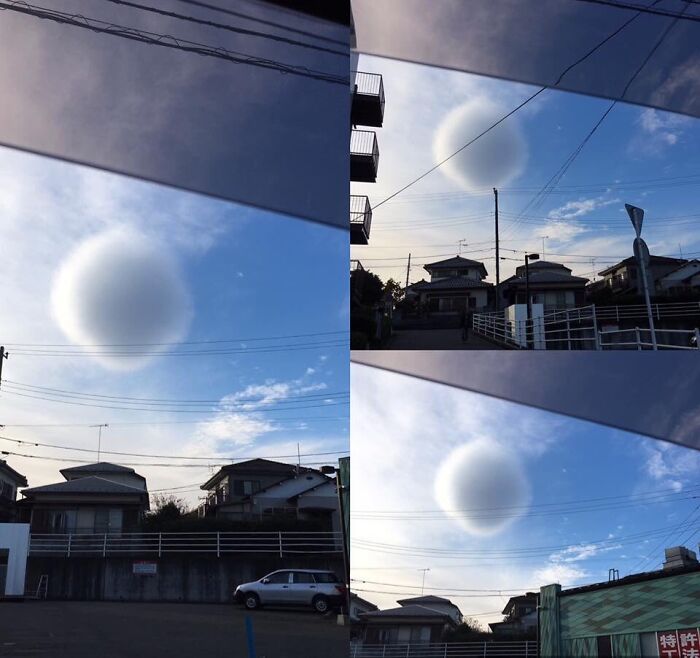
[[320, 604], [251, 601]]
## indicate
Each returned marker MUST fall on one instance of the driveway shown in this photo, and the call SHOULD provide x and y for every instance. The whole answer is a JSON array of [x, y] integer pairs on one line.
[[79, 629], [437, 339]]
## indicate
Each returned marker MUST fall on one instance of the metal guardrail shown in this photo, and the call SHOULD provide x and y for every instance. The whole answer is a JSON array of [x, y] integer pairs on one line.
[[160, 543], [369, 84], [578, 328], [519, 649]]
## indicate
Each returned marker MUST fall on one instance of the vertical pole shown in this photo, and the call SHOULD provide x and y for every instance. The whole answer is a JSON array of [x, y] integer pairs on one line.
[[650, 315], [218, 544], [69, 543], [3, 355], [596, 335], [408, 269], [160, 544], [498, 260], [104, 546], [279, 536], [250, 636], [638, 338], [697, 338], [529, 307], [568, 331]]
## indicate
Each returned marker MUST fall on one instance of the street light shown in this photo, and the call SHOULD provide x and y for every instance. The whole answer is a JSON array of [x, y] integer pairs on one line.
[[528, 258]]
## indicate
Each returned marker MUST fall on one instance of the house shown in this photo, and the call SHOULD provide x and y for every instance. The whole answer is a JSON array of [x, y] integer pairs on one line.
[[624, 278], [412, 623], [683, 281], [550, 284], [359, 606], [436, 603], [259, 488], [647, 614], [10, 481], [456, 284], [520, 616], [95, 498]]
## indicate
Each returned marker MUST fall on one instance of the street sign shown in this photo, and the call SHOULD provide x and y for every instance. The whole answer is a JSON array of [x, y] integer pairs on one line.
[[144, 568], [636, 217], [641, 251]]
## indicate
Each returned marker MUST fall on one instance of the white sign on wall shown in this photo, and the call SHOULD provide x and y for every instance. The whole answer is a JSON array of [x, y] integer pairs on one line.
[[144, 568]]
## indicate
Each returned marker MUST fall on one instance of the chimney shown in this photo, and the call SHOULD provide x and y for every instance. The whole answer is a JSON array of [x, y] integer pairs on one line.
[[679, 556]]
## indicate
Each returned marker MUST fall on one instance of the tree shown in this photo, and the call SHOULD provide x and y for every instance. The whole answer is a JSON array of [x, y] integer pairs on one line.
[[394, 289], [367, 288], [470, 630], [166, 509]]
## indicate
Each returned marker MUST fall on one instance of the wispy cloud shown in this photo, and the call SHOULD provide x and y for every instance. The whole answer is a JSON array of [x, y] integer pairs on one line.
[[580, 207]]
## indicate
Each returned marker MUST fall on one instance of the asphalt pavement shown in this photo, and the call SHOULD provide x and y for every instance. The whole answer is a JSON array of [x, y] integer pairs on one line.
[[78, 629], [437, 339]]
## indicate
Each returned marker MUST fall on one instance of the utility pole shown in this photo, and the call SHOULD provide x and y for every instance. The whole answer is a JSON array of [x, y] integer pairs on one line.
[[422, 587], [544, 237], [498, 260], [408, 269], [99, 438], [3, 355]]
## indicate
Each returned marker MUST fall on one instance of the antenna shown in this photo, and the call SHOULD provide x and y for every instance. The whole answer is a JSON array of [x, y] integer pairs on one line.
[[99, 438]]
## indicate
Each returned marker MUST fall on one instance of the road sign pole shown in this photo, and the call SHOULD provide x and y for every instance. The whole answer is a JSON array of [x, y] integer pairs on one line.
[[650, 315]]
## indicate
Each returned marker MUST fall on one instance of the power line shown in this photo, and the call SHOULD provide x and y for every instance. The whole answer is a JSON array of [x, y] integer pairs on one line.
[[645, 10], [141, 454], [229, 28], [248, 339], [166, 41], [142, 464]]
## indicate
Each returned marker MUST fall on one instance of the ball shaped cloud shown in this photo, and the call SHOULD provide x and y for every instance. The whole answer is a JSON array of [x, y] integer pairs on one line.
[[493, 160], [479, 484], [119, 288]]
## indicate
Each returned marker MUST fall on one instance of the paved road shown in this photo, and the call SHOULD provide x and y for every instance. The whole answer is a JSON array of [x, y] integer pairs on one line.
[[62, 629], [437, 339]]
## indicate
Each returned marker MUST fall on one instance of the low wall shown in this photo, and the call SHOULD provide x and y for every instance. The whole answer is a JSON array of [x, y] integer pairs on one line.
[[188, 577]]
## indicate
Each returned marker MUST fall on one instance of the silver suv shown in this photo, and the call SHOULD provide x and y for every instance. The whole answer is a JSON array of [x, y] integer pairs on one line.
[[320, 589]]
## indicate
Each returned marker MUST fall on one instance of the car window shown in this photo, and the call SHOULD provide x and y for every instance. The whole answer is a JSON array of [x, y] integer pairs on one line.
[[325, 578], [280, 577], [301, 577]]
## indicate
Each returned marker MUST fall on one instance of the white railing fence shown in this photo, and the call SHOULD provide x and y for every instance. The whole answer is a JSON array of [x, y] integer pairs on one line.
[[579, 329], [160, 543], [520, 649]]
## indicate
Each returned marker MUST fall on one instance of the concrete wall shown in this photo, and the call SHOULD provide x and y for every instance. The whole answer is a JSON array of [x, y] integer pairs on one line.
[[190, 578], [15, 538]]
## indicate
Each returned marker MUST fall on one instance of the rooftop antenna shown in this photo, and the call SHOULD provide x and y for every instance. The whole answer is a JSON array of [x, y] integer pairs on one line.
[[99, 438], [422, 587]]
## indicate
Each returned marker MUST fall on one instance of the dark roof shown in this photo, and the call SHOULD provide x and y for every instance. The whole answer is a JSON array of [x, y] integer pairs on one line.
[[98, 467], [455, 261], [279, 482], [426, 599], [546, 276], [315, 486], [86, 485], [359, 599], [653, 260], [264, 466], [692, 261], [635, 578], [21, 479], [529, 597], [453, 283], [408, 612], [545, 264]]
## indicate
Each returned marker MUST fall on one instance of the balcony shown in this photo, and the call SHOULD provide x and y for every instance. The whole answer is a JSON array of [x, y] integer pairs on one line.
[[360, 219], [364, 156], [367, 100]]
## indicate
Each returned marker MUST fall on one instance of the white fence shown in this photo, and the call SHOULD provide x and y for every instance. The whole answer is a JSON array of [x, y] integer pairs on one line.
[[160, 543], [521, 649], [580, 328]]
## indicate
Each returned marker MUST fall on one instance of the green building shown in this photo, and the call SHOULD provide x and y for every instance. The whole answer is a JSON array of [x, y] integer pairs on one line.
[[655, 614]]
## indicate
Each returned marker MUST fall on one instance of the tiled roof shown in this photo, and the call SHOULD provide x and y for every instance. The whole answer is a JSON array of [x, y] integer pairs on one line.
[[546, 276], [425, 599], [653, 260], [455, 261], [98, 467], [86, 485], [407, 612], [452, 283], [21, 480], [255, 466]]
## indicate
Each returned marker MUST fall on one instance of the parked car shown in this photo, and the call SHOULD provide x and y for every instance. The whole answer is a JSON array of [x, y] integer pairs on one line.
[[320, 589]]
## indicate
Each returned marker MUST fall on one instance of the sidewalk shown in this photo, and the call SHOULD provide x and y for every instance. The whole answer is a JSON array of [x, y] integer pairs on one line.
[[437, 339]]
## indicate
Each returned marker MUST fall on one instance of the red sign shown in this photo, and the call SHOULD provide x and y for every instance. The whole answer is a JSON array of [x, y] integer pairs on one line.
[[679, 644], [689, 643]]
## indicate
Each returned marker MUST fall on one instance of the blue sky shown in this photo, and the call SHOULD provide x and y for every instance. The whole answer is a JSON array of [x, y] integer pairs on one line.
[[401, 441], [587, 226], [204, 270]]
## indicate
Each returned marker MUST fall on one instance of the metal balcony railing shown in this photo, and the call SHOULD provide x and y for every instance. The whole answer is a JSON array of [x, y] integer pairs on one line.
[[160, 543], [517, 649], [368, 100], [364, 156], [360, 219]]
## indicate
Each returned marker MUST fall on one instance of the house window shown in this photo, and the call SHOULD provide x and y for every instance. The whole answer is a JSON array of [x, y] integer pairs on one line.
[[245, 487]]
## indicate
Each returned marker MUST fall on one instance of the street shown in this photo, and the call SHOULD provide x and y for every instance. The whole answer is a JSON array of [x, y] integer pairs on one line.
[[163, 630], [437, 339]]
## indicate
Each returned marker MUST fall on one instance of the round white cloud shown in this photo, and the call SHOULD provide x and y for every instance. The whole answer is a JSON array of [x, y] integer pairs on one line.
[[493, 160], [479, 484], [121, 288]]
